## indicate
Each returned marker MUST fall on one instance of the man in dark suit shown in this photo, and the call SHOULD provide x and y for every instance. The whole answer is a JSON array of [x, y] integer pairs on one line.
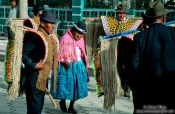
[[153, 64], [39, 56]]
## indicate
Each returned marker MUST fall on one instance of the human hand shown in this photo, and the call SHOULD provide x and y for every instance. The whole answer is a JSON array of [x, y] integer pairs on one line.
[[39, 65], [66, 64]]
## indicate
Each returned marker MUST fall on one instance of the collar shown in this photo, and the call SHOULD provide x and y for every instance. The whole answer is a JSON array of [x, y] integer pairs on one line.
[[43, 31], [126, 19]]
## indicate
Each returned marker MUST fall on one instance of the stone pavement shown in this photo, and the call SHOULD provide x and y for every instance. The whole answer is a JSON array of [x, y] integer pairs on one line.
[[89, 105]]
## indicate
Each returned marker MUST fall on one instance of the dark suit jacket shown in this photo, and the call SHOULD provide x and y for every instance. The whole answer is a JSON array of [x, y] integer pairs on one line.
[[32, 53], [153, 55]]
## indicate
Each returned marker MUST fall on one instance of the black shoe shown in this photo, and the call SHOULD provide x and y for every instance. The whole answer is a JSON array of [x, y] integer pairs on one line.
[[71, 110], [63, 106]]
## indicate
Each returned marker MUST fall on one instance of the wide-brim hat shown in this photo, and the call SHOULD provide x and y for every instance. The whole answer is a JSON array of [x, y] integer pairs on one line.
[[49, 16], [121, 8], [37, 7], [156, 9], [80, 26]]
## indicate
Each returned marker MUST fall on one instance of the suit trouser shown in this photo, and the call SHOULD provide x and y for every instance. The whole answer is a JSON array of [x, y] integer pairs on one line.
[[35, 100]]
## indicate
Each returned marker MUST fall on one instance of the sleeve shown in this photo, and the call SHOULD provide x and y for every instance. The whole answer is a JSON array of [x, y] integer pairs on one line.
[[135, 55], [134, 62], [28, 47], [120, 66]]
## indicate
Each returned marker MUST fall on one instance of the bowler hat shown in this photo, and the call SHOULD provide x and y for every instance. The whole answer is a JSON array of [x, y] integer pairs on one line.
[[121, 8], [37, 7], [80, 26], [48, 16], [156, 9]]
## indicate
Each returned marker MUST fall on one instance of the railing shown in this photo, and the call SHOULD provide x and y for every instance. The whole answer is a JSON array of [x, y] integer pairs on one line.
[[65, 14]]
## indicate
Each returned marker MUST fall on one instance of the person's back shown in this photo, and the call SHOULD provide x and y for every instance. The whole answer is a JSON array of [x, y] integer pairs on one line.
[[153, 63], [157, 51]]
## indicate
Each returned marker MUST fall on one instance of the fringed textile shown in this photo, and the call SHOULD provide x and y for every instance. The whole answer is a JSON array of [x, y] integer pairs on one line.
[[95, 29], [13, 59], [98, 72], [55, 61], [9, 61], [50, 59], [111, 80]]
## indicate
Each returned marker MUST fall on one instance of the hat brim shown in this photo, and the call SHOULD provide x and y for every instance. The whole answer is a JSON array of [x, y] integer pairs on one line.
[[150, 16], [79, 29], [49, 20]]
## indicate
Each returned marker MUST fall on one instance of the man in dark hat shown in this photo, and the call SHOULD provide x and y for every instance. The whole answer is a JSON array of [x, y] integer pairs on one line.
[[39, 57], [34, 22], [37, 11], [116, 25], [121, 12], [124, 48], [153, 64]]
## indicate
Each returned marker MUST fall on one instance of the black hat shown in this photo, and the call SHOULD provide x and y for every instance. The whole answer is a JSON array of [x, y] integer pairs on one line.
[[37, 7], [80, 26], [155, 9], [49, 16]]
